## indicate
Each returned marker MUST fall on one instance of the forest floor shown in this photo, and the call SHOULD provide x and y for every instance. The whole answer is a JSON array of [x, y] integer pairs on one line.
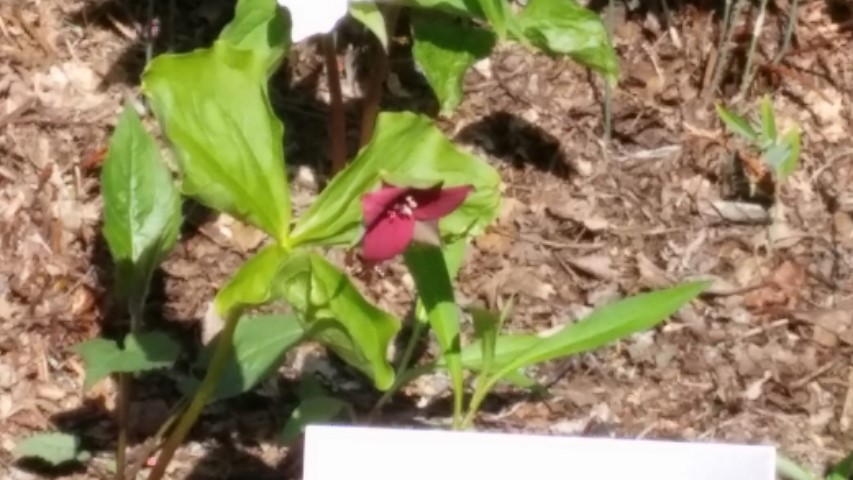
[[763, 357]]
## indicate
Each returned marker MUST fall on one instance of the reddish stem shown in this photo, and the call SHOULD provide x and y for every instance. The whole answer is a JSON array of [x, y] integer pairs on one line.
[[337, 115]]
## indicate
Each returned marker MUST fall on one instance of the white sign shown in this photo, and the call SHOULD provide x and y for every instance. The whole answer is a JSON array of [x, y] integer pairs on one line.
[[355, 453]]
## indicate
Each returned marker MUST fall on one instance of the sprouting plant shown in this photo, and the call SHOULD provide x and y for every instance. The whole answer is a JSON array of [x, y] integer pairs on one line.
[[779, 152], [409, 192]]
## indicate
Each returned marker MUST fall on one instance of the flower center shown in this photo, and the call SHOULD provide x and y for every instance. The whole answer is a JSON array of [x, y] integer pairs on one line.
[[405, 207]]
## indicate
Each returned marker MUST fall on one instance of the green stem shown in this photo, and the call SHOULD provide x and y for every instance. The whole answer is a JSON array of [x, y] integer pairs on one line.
[[477, 400], [608, 91], [337, 115], [224, 345], [379, 73], [400, 377], [136, 307]]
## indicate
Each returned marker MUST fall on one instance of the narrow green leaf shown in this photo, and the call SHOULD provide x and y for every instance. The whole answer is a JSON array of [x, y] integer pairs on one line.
[[445, 49], [768, 120], [606, 325], [261, 26], [499, 16], [406, 144], [736, 123], [791, 161], [562, 27], [792, 471], [141, 352], [435, 290], [370, 15], [260, 343], [358, 331], [213, 106], [142, 206], [53, 448]]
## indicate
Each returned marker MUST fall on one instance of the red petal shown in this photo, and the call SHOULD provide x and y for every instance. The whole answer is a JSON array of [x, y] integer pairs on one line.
[[374, 204], [388, 238], [433, 204]]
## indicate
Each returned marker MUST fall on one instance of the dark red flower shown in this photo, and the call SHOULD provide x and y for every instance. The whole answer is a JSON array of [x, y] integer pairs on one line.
[[395, 216]]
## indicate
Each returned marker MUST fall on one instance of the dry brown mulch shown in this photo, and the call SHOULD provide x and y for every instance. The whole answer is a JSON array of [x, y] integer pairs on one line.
[[763, 358]]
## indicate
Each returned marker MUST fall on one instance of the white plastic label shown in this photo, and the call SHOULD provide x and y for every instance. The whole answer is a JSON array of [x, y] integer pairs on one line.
[[355, 453]]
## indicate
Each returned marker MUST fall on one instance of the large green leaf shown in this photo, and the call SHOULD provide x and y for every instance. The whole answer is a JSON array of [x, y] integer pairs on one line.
[[53, 448], [409, 145], [261, 26], [435, 290], [445, 49], [142, 206], [260, 343], [358, 331], [465, 8], [214, 108], [141, 352], [565, 28]]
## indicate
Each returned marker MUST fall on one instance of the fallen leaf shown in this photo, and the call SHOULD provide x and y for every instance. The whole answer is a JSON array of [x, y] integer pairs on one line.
[[598, 266]]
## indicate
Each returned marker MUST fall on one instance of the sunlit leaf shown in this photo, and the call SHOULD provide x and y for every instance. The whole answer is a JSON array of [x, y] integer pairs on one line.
[[445, 49], [605, 325], [562, 27], [53, 448], [141, 352], [358, 331], [369, 14], [768, 120], [214, 108], [737, 123], [486, 328], [409, 144], [142, 206], [261, 26], [252, 284], [499, 16]]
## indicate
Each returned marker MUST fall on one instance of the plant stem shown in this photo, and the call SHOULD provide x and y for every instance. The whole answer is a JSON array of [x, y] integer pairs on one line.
[[337, 115], [476, 400], [379, 73], [789, 32], [747, 71], [224, 345], [608, 91], [136, 307]]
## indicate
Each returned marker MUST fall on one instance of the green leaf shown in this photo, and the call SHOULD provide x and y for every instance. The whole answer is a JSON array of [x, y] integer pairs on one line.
[[142, 206], [311, 410], [843, 470], [768, 120], [370, 15], [786, 468], [435, 290], [141, 352], [253, 282], [605, 325], [53, 448], [465, 8], [499, 16], [784, 157], [445, 49], [260, 343], [261, 26], [358, 331], [214, 108], [405, 144], [736, 123], [562, 27]]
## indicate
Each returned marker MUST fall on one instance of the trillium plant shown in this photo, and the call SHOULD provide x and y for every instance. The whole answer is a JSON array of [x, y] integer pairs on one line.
[[409, 195]]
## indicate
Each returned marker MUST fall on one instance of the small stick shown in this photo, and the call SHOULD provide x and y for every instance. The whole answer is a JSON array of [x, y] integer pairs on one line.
[[337, 115], [747, 73], [789, 31]]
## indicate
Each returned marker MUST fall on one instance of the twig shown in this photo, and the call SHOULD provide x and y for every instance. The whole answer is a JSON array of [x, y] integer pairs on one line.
[[789, 31], [725, 48], [379, 73], [608, 93], [337, 116], [747, 71]]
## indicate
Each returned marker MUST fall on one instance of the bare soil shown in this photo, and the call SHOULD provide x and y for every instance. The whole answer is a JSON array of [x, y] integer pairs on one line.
[[764, 357]]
